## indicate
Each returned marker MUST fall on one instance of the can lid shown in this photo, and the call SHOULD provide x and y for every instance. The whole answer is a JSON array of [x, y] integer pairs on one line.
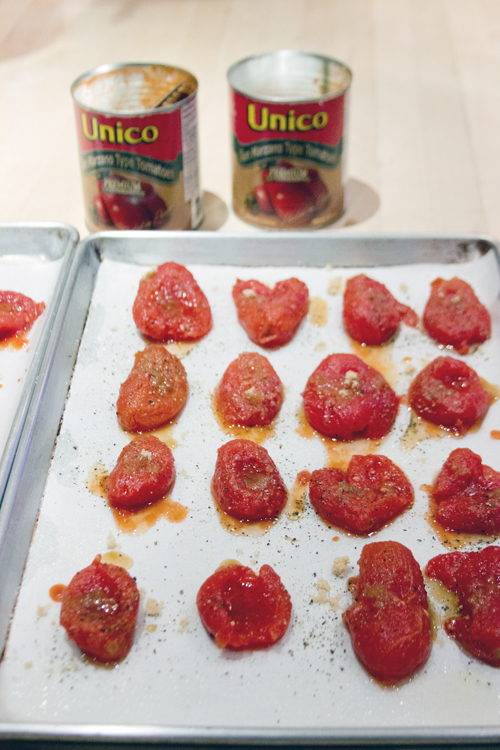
[[290, 76], [132, 88]]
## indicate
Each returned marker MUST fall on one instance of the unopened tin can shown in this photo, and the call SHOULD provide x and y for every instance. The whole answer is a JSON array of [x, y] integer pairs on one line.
[[289, 116], [138, 144]]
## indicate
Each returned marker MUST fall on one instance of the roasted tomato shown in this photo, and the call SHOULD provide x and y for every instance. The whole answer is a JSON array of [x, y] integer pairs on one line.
[[389, 620], [467, 494], [154, 392], [449, 393], [454, 316], [371, 493], [246, 483], [347, 399], [250, 392], [170, 306], [143, 473], [243, 610], [271, 317], [17, 313], [371, 314], [99, 611], [475, 578]]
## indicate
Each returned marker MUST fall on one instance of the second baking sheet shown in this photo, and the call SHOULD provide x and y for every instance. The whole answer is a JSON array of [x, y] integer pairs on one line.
[[174, 675]]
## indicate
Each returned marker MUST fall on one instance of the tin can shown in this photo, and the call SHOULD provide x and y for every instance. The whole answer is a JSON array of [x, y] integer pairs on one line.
[[289, 123], [138, 144]]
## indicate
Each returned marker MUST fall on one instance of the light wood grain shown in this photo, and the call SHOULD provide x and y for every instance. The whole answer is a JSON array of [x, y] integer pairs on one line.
[[424, 128]]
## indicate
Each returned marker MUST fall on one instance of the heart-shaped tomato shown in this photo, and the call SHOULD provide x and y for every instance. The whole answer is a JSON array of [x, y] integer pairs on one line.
[[271, 316], [371, 493]]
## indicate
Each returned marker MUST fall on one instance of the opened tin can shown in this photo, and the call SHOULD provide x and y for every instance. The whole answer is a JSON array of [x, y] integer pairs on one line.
[[138, 144], [289, 117]]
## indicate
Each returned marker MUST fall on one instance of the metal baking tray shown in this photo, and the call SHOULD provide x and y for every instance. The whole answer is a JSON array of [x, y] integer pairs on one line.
[[34, 260], [175, 686]]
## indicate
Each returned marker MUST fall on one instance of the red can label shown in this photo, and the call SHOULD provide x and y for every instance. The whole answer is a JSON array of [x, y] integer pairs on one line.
[[288, 161]]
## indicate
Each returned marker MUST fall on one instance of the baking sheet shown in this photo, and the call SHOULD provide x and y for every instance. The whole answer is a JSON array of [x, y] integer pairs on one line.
[[33, 261], [175, 682]]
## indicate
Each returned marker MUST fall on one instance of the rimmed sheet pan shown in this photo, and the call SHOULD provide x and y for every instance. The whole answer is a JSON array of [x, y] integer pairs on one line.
[[175, 686], [34, 260]]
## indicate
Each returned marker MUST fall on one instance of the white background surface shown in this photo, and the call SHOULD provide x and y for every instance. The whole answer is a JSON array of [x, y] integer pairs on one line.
[[176, 675]]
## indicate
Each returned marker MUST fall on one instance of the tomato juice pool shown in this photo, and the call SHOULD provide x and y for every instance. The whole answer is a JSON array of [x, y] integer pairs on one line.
[[289, 112], [137, 138]]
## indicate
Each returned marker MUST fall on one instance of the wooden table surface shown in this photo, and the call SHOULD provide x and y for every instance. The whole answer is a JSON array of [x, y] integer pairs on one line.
[[424, 126]]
